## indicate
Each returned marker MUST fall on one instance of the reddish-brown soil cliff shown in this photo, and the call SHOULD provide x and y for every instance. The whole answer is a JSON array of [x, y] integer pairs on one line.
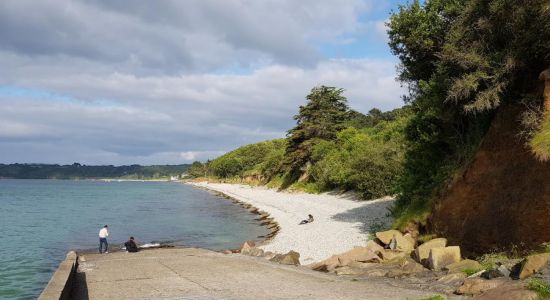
[[502, 200]]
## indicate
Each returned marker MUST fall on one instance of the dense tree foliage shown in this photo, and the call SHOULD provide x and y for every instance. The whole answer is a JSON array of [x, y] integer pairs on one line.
[[367, 160], [462, 59], [319, 120], [197, 169], [78, 171]]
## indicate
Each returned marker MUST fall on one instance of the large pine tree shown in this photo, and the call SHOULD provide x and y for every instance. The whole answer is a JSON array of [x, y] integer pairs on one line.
[[320, 119]]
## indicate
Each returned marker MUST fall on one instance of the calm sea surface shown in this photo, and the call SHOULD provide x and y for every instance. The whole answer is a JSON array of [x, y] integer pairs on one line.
[[41, 220]]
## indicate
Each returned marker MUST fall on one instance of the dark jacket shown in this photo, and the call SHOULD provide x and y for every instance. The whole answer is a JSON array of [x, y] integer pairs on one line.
[[131, 246]]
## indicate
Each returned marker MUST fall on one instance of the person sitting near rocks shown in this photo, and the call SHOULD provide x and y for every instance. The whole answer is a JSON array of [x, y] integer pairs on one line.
[[131, 245], [309, 220]]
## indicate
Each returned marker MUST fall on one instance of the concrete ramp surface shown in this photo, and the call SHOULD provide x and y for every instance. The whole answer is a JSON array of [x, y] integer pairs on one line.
[[202, 274]]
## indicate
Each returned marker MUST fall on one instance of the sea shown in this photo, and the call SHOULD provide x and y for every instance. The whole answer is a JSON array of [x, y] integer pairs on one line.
[[41, 220]]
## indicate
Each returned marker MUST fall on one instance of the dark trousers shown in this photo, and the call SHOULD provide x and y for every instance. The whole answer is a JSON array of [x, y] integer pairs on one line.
[[101, 242]]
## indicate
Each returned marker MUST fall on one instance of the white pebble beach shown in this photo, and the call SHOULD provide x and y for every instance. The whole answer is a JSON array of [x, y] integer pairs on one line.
[[341, 222]]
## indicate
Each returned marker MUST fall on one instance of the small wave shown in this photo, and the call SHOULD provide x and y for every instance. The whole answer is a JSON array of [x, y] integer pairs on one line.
[[150, 245]]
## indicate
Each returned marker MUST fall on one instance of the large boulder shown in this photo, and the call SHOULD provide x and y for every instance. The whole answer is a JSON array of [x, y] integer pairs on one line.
[[422, 252], [476, 286], [269, 255], [491, 274], [410, 238], [462, 265], [255, 252], [404, 243], [388, 254], [386, 236], [532, 264], [442, 257], [357, 254], [290, 258], [374, 246], [406, 267], [395, 268], [503, 270], [360, 254], [508, 292], [327, 265]]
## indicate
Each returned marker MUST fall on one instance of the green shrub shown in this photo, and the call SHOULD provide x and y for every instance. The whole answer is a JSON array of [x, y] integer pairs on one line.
[[540, 141], [368, 161], [539, 286]]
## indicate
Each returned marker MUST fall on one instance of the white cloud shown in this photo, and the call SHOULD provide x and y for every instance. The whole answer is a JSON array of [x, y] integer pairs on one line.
[[172, 81], [190, 156], [177, 36], [189, 114]]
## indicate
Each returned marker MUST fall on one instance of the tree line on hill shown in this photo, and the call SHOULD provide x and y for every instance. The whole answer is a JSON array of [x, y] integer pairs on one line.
[[78, 171]]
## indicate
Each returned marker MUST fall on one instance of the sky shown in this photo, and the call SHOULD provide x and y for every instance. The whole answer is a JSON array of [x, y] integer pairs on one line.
[[170, 82]]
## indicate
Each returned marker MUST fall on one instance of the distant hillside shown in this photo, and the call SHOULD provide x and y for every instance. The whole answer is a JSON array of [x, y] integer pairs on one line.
[[78, 171]]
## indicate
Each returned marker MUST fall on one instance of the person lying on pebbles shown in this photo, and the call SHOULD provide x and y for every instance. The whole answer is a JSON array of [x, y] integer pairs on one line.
[[309, 220]]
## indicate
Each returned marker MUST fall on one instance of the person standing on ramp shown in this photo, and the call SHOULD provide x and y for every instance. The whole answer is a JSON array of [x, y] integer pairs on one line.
[[103, 234]]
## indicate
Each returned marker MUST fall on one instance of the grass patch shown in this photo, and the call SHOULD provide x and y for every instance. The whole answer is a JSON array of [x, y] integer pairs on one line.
[[539, 286], [540, 141]]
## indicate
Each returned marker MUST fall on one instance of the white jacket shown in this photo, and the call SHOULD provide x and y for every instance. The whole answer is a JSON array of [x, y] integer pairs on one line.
[[103, 233]]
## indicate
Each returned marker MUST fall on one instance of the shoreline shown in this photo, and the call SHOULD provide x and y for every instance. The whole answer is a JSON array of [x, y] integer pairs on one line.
[[267, 220], [341, 222]]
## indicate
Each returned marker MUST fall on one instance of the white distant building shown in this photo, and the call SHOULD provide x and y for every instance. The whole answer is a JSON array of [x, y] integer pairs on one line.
[[174, 178]]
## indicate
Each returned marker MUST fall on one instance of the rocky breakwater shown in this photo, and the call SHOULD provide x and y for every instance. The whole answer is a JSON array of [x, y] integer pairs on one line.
[[436, 266]]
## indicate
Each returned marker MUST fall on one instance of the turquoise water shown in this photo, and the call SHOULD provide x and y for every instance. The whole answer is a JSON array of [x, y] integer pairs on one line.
[[41, 220]]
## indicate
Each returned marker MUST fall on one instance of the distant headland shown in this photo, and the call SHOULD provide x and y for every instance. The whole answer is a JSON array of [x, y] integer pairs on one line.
[[79, 171]]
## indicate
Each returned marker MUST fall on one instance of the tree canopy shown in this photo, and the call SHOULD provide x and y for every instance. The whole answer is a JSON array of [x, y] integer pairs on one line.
[[320, 119]]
